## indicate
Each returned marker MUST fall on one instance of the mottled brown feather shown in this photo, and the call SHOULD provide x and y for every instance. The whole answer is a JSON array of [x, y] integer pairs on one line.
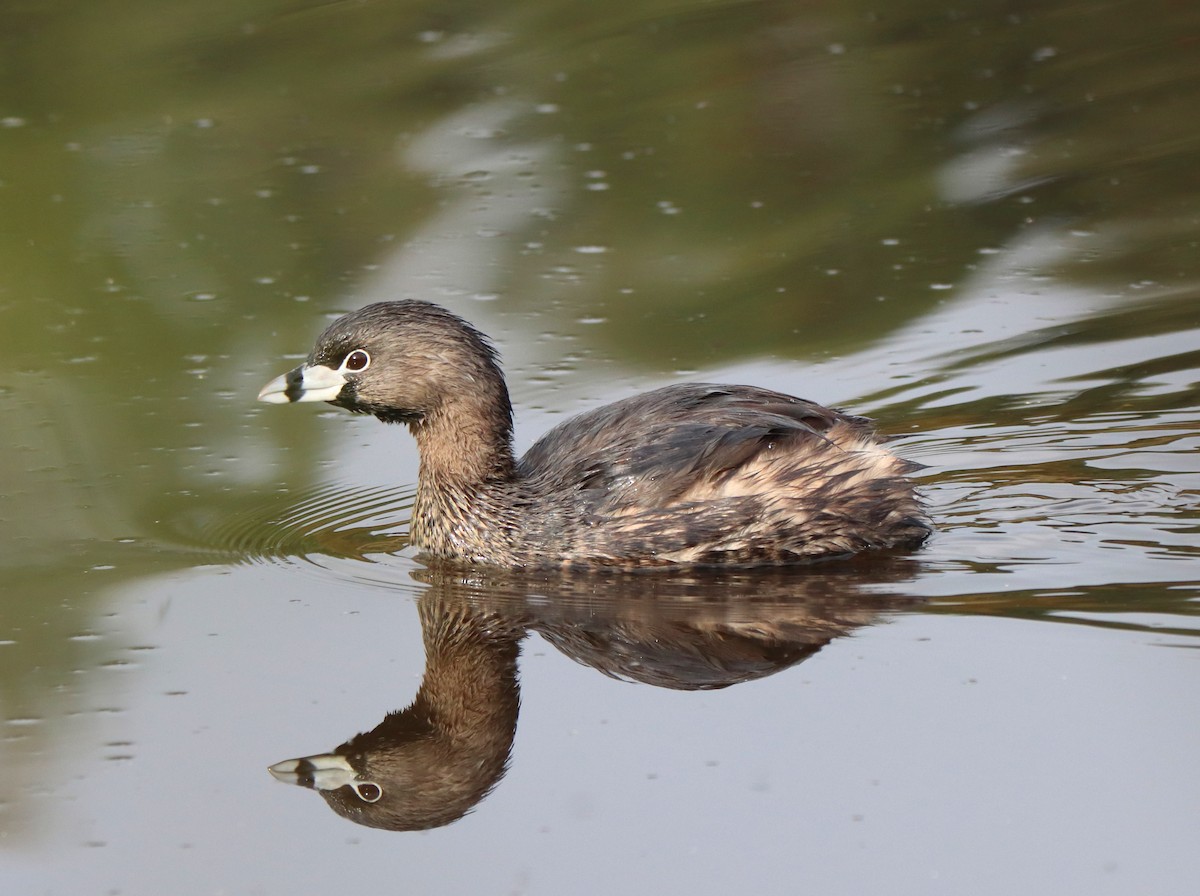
[[688, 474]]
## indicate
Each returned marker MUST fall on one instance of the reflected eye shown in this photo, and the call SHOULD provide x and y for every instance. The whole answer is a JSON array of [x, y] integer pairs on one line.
[[357, 360], [368, 792]]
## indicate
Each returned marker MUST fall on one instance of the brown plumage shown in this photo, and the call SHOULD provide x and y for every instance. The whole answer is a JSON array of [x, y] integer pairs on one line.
[[688, 474]]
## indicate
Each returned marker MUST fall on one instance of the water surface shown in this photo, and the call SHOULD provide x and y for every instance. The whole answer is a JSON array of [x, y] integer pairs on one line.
[[977, 225]]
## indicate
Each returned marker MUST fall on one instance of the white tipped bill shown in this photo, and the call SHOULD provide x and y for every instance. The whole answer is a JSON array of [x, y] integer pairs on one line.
[[329, 771], [306, 383]]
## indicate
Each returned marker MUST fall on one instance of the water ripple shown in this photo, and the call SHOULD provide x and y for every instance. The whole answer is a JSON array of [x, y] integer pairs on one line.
[[318, 528]]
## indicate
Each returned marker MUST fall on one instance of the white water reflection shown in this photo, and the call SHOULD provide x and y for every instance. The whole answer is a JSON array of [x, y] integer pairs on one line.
[[910, 745], [488, 198]]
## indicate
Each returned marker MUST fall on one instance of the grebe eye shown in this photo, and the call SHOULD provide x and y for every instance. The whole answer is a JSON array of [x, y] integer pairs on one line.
[[357, 360], [368, 791]]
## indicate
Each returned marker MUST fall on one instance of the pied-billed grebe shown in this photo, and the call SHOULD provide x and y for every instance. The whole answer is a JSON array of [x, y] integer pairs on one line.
[[688, 474]]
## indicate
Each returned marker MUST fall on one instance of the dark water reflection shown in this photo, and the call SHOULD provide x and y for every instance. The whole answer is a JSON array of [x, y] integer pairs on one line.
[[431, 763]]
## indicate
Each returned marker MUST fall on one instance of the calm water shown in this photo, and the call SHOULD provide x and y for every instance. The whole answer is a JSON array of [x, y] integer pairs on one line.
[[979, 225]]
